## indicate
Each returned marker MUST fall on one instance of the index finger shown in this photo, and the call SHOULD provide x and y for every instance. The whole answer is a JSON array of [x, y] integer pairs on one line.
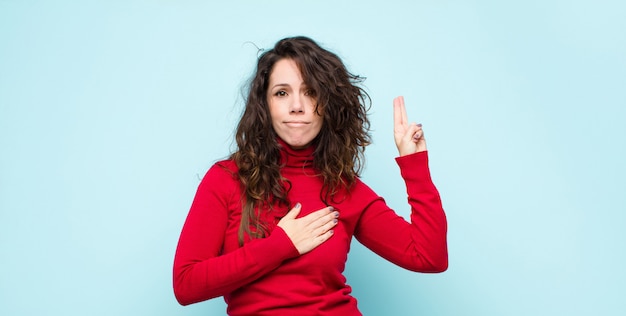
[[318, 214], [399, 112]]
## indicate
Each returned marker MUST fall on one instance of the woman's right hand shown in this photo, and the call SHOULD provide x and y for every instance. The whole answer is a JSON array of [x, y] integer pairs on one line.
[[310, 231]]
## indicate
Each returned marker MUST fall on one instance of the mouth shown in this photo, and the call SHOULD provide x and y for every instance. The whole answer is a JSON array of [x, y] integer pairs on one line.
[[296, 123]]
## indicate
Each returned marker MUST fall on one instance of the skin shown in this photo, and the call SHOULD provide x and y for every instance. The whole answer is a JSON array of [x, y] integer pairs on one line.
[[292, 109], [409, 137], [291, 105]]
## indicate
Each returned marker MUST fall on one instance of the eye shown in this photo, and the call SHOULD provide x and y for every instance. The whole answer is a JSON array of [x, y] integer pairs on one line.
[[280, 93], [310, 93]]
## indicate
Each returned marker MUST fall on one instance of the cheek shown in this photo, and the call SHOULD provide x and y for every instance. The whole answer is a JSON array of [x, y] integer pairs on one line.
[[319, 122], [274, 113]]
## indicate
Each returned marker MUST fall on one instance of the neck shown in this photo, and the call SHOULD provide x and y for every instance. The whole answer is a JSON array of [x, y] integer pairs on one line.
[[292, 157]]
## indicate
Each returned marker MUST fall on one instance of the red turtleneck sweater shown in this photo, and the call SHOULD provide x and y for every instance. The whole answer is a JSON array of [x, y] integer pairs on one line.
[[268, 276]]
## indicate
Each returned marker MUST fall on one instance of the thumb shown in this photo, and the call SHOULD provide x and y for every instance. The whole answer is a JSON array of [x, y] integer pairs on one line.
[[293, 213], [410, 132]]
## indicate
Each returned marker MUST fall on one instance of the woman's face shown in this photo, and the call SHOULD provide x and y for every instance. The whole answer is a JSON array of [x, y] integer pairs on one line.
[[292, 106]]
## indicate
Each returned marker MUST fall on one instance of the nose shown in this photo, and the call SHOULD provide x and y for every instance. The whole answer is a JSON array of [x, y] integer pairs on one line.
[[297, 105]]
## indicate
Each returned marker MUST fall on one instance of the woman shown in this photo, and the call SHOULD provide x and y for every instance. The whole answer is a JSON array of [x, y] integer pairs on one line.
[[270, 228]]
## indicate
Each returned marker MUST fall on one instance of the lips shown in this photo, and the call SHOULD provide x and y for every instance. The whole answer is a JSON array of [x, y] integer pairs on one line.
[[296, 123]]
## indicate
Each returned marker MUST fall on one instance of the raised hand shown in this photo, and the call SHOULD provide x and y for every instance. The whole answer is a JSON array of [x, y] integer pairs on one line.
[[409, 137], [310, 231]]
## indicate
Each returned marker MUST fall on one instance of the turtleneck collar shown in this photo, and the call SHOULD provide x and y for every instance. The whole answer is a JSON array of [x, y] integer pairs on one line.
[[299, 158]]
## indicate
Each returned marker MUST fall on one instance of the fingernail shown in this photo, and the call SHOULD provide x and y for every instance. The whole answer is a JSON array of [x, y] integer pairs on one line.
[[330, 208], [298, 205], [419, 125], [336, 214], [331, 231], [335, 221]]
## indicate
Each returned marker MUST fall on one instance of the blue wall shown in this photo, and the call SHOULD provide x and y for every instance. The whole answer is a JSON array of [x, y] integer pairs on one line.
[[110, 110]]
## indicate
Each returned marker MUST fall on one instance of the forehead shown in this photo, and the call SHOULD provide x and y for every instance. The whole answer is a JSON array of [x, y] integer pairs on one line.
[[285, 71]]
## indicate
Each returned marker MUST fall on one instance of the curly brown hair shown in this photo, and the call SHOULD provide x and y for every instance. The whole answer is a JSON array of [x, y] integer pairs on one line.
[[340, 144]]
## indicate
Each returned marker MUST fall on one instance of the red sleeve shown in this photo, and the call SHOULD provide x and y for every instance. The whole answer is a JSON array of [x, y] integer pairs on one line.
[[420, 245], [201, 272]]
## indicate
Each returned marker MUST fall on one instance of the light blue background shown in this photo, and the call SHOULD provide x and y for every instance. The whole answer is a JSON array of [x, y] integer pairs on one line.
[[111, 110]]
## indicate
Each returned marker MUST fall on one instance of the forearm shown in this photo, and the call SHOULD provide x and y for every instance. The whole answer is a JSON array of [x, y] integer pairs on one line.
[[427, 214], [197, 279]]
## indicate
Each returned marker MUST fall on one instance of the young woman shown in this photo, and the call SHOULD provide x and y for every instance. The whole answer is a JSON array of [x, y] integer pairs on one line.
[[270, 228]]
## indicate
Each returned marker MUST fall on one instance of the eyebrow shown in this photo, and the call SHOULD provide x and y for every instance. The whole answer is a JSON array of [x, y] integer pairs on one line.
[[287, 85], [280, 85]]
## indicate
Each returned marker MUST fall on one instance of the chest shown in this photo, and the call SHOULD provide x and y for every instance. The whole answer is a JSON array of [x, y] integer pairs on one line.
[[332, 254]]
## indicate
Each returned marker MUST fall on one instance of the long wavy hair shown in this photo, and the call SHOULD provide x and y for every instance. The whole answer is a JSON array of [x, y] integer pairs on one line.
[[340, 144]]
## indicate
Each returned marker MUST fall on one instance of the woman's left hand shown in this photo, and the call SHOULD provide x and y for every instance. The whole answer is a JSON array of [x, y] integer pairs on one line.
[[409, 137]]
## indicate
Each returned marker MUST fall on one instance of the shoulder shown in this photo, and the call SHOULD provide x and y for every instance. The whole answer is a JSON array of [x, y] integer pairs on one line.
[[227, 165], [222, 173]]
